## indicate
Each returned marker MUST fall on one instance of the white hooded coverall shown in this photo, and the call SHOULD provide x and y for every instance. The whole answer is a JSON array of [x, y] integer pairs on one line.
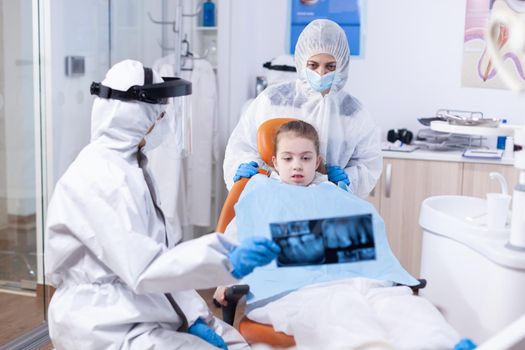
[[348, 136], [110, 254]]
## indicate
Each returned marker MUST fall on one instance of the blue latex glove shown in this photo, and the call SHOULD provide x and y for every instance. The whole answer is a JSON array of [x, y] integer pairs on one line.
[[201, 329], [337, 174], [253, 252], [246, 170], [465, 344]]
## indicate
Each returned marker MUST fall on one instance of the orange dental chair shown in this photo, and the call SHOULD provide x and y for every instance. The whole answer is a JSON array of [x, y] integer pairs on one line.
[[253, 332]]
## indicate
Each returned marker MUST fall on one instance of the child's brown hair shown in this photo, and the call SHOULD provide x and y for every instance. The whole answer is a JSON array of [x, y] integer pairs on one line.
[[300, 129]]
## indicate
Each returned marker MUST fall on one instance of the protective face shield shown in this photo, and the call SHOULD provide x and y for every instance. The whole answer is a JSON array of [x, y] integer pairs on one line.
[[323, 36], [506, 41], [131, 98], [157, 135], [149, 92], [318, 82]]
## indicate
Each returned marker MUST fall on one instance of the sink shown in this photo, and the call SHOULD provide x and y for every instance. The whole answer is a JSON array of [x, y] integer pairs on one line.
[[461, 219], [453, 215]]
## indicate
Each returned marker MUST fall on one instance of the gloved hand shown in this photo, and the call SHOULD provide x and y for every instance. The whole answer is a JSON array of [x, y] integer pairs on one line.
[[342, 185], [465, 344], [336, 173], [201, 329], [246, 170], [253, 252]]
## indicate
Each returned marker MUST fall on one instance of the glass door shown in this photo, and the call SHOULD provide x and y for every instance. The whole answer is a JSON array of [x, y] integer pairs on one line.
[[45, 120], [21, 300]]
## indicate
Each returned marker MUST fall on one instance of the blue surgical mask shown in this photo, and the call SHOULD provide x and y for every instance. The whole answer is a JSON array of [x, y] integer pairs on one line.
[[319, 83]]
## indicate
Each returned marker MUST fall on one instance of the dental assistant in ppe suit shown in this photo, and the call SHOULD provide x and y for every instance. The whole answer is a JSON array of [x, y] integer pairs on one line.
[[350, 144], [122, 280]]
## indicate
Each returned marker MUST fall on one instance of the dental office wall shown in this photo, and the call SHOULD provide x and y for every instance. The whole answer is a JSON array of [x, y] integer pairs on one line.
[[411, 64]]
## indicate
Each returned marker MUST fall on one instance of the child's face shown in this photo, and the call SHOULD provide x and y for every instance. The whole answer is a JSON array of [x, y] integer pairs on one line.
[[296, 159]]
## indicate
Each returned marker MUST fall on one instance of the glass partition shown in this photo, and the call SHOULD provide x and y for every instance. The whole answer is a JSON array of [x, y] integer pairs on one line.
[[22, 303], [45, 120]]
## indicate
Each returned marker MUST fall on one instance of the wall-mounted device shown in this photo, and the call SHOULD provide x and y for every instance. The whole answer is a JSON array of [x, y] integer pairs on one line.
[[75, 66]]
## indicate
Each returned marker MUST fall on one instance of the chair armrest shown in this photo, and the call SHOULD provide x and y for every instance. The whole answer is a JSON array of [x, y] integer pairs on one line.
[[422, 284], [232, 295]]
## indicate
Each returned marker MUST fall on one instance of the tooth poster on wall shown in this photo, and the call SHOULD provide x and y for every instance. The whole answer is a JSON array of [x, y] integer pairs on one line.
[[347, 13], [478, 68]]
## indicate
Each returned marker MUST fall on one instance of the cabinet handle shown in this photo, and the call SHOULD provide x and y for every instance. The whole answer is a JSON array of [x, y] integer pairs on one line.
[[388, 180]]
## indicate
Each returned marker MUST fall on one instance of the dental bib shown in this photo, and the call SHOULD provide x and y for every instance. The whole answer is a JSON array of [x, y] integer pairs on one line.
[[265, 201]]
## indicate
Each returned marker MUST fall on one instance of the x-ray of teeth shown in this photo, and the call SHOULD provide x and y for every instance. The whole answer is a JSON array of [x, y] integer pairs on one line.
[[324, 241]]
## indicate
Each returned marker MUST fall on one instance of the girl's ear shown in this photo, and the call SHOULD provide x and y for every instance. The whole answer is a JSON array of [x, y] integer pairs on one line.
[[320, 166], [274, 163]]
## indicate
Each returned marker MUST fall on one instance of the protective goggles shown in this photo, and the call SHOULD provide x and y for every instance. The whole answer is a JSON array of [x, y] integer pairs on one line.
[[149, 92]]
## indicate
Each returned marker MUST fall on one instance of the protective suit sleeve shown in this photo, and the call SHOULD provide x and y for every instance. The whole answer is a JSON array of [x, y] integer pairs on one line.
[[366, 164], [102, 215], [192, 305], [242, 144]]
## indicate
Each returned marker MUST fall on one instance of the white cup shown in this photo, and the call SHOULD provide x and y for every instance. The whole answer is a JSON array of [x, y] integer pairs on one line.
[[497, 210]]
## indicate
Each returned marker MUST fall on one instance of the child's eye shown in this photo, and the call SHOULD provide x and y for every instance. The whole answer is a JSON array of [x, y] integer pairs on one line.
[[307, 158], [287, 159]]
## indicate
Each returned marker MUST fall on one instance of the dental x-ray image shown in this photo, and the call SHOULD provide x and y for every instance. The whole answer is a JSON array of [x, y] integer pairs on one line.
[[324, 241]]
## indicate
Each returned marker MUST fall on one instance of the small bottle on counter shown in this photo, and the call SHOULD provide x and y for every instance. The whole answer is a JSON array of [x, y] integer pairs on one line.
[[501, 139], [508, 153]]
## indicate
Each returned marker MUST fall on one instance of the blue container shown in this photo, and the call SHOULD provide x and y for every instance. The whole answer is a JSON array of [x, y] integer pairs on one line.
[[208, 14], [501, 139]]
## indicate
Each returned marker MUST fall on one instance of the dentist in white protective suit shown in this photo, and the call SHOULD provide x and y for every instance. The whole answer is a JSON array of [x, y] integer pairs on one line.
[[122, 280], [350, 140]]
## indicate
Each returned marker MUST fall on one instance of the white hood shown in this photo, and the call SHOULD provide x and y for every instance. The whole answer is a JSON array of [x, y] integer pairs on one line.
[[323, 36], [121, 125]]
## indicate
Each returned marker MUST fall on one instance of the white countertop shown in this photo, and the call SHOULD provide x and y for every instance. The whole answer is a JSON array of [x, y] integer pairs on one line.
[[454, 156]]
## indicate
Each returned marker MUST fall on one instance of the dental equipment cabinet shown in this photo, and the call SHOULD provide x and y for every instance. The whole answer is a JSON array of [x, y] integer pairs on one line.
[[517, 231], [409, 178]]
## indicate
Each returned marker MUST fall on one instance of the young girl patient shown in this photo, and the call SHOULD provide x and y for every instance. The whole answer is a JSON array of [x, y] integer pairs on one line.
[[348, 312], [296, 154], [295, 159]]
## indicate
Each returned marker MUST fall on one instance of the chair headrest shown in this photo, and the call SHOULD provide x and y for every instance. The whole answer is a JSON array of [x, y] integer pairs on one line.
[[265, 136]]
